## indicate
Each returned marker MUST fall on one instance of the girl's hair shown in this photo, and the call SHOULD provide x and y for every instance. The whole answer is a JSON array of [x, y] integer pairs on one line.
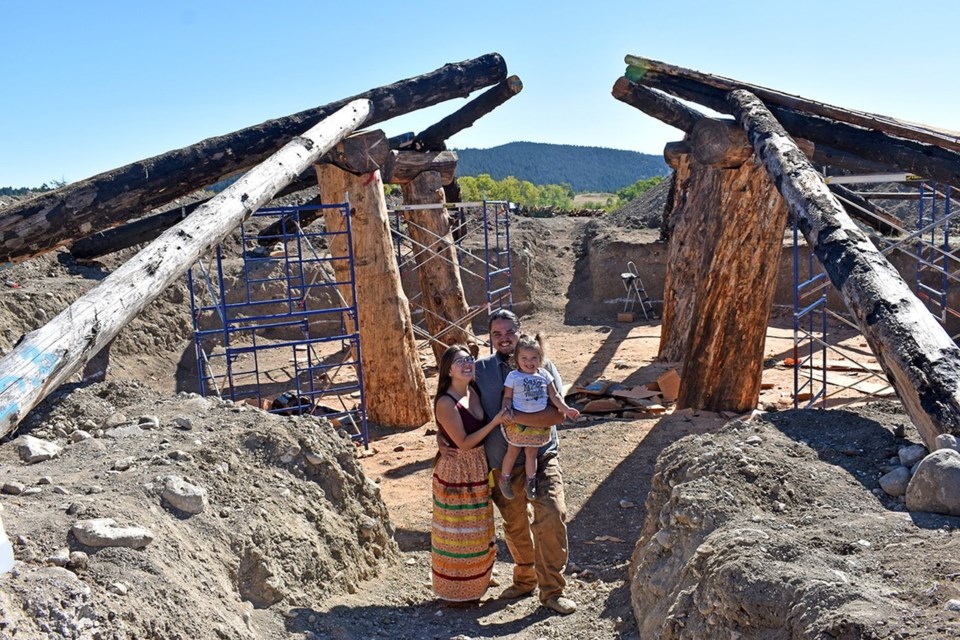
[[444, 379], [530, 342]]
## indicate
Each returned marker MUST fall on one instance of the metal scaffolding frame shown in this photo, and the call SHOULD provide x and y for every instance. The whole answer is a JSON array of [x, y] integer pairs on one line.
[[936, 269], [242, 331], [488, 263]]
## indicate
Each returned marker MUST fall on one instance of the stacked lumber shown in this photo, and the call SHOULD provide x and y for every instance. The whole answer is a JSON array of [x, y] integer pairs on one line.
[[606, 397]]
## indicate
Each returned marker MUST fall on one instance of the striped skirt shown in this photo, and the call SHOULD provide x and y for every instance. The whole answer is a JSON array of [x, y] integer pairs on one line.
[[461, 540]]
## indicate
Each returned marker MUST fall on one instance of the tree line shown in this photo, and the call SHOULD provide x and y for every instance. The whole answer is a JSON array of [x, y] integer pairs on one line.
[[531, 196]]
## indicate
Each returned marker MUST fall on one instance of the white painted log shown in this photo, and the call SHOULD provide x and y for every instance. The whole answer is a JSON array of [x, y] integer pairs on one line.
[[45, 358], [918, 356]]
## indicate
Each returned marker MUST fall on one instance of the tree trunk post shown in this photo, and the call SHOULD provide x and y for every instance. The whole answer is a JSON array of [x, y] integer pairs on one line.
[[395, 389], [919, 357], [51, 354], [441, 290]]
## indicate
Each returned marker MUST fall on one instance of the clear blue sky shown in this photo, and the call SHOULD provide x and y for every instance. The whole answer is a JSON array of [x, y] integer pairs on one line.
[[90, 86]]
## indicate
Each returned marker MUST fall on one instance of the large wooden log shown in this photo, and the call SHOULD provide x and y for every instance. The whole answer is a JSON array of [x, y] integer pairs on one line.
[[920, 359], [48, 356], [656, 104], [438, 273], [934, 163], [403, 166], [81, 208], [395, 389], [645, 67], [434, 137]]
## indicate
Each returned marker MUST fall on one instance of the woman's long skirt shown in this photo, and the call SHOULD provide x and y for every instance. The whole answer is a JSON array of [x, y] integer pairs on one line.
[[462, 543]]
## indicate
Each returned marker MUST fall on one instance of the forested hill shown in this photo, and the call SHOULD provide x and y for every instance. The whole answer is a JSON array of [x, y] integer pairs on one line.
[[583, 168]]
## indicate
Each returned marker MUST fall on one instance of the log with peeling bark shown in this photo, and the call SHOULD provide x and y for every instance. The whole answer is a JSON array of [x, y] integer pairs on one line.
[[45, 358], [434, 137], [395, 389], [647, 68], [918, 356], [935, 163], [438, 270], [656, 104], [81, 208], [403, 166]]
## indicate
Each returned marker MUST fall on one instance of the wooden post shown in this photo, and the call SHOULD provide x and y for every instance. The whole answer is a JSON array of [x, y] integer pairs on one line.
[[394, 385], [920, 359], [81, 208], [441, 290], [721, 270], [51, 354]]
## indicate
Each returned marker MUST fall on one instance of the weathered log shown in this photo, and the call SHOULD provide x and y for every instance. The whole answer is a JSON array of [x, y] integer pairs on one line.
[[362, 152], [438, 272], [395, 389], [78, 209], [673, 152], [403, 166], [656, 104], [645, 67], [48, 356], [934, 163], [920, 359], [867, 212], [434, 137], [737, 222]]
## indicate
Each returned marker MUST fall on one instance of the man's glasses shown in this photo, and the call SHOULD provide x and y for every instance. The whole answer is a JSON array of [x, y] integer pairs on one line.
[[462, 360]]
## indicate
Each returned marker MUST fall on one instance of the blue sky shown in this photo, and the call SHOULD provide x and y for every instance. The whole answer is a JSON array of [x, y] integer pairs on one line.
[[90, 86]]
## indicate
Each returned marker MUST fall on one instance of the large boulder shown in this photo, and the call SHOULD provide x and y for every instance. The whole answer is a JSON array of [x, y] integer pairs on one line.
[[935, 487]]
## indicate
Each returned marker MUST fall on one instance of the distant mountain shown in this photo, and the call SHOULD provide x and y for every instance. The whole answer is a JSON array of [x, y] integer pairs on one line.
[[583, 168]]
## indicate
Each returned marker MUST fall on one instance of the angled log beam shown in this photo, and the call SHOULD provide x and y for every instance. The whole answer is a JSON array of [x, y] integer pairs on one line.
[[434, 137], [935, 163], [645, 67], [48, 356], [918, 356], [656, 104], [867, 212], [78, 209]]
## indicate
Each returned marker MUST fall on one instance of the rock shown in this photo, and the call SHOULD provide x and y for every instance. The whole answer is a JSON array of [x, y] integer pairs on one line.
[[79, 435], [32, 491], [952, 605], [148, 422], [626, 504], [911, 454], [124, 432], [45, 480], [60, 558], [12, 488], [78, 560], [118, 588], [947, 441], [103, 532], [895, 483], [754, 440], [33, 450], [113, 421], [180, 456], [184, 496], [935, 487], [182, 422], [123, 464]]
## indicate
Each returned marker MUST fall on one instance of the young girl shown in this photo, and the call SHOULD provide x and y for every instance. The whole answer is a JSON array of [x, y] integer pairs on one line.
[[527, 389]]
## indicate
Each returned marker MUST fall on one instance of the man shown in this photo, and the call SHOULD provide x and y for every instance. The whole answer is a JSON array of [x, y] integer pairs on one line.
[[539, 551]]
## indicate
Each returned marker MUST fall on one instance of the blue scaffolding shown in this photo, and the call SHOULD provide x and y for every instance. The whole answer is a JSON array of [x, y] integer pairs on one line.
[[936, 269], [279, 330], [487, 262]]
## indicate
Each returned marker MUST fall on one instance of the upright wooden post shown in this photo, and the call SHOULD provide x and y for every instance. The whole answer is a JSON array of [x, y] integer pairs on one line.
[[441, 290], [724, 252], [393, 380]]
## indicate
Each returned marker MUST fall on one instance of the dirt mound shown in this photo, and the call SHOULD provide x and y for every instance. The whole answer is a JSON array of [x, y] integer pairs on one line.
[[645, 212], [288, 518], [775, 527]]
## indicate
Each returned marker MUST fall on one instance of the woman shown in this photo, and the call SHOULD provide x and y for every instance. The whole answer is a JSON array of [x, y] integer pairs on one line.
[[462, 536]]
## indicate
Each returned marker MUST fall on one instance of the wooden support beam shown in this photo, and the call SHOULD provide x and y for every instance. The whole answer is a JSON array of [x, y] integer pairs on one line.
[[403, 166], [53, 219], [395, 388], [867, 212], [645, 68], [920, 359], [45, 358], [434, 137], [934, 163], [656, 104], [438, 270]]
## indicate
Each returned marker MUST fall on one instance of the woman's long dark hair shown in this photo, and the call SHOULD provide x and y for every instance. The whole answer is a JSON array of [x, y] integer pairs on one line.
[[444, 380]]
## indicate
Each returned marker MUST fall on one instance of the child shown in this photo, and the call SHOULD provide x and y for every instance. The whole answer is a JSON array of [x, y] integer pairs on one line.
[[527, 389]]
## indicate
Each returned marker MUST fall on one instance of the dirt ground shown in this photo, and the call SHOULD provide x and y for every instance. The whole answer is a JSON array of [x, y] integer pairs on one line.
[[308, 536]]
